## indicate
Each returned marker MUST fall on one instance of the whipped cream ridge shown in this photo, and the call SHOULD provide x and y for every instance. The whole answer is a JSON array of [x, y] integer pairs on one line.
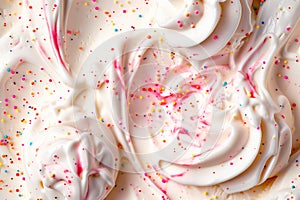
[[185, 99]]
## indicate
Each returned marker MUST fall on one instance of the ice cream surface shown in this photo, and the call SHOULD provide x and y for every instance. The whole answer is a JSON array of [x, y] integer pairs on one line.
[[149, 99]]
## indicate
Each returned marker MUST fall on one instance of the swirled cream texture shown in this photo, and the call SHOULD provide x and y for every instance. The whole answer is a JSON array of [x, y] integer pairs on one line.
[[181, 99]]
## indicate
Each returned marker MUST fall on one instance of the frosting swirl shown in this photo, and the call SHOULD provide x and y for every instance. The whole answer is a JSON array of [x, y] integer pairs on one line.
[[73, 161], [189, 104]]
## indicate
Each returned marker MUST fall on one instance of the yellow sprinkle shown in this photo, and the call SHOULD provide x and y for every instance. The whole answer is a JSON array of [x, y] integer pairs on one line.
[[161, 39], [257, 26], [133, 10], [161, 130], [231, 52], [1, 164], [273, 137], [68, 133], [193, 155], [121, 5], [209, 198], [86, 3], [2, 120], [173, 102], [205, 193], [17, 110], [52, 175], [141, 97], [215, 196], [113, 23], [152, 110], [116, 2], [285, 61], [279, 75], [128, 2], [249, 95], [159, 110], [41, 184]]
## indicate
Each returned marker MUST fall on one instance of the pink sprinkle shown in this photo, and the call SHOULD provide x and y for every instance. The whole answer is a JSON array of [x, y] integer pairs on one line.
[[69, 32], [215, 37], [23, 78], [197, 12], [96, 8], [14, 96], [296, 40], [288, 28], [164, 180], [285, 77]]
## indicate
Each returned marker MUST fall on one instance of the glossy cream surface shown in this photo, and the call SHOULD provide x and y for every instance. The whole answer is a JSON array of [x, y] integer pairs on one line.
[[149, 99]]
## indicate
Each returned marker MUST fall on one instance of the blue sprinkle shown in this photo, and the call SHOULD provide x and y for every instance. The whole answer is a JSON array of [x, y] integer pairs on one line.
[[8, 69], [224, 84], [293, 187]]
